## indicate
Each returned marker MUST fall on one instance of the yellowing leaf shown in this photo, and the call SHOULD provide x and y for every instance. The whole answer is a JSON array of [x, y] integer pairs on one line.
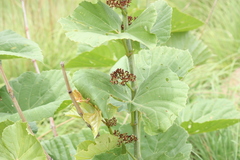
[[102, 144], [94, 119]]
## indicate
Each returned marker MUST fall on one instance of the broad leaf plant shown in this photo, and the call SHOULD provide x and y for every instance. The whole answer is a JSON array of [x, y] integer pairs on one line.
[[138, 109]]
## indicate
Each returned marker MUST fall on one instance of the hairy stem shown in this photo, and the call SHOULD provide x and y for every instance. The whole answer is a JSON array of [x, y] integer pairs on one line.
[[135, 123]]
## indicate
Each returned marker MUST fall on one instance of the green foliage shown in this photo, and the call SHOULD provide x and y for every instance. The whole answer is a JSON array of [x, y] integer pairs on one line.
[[155, 101], [17, 143], [39, 95], [13, 45], [182, 22], [64, 147], [209, 115], [88, 149], [187, 41]]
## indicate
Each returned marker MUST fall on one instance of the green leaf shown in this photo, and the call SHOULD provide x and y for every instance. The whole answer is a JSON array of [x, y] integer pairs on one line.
[[3, 125], [162, 25], [170, 145], [149, 61], [12, 45], [160, 97], [95, 24], [187, 41], [103, 56], [207, 115], [88, 149], [96, 85], [64, 147], [17, 143], [114, 154], [39, 95], [182, 22]]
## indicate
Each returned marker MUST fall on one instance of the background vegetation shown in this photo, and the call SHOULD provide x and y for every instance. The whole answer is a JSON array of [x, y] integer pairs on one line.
[[219, 77]]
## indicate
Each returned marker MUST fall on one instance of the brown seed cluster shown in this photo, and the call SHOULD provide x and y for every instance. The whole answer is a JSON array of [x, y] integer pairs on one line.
[[111, 122], [118, 3], [130, 20], [122, 77], [124, 138]]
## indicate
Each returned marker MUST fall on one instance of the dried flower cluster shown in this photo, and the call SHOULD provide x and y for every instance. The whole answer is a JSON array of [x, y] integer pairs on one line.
[[130, 20], [111, 122], [124, 138], [122, 76], [118, 3]]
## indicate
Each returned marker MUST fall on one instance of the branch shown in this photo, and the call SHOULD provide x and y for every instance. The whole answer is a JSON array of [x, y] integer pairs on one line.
[[75, 103]]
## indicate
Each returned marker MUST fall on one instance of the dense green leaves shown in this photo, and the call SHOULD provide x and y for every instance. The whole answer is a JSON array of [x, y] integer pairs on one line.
[[162, 26], [150, 61], [170, 145], [17, 143], [96, 85], [187, 41], [182, 22], [103, 56], [88, 149], [64, 147], [95, 24], [160, 97], [38, 95], [12, 45], [209, 115]]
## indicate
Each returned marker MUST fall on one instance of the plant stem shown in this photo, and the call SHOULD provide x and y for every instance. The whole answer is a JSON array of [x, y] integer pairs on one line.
[[135, 121], [14, 100], [52, 124], [79, 110]]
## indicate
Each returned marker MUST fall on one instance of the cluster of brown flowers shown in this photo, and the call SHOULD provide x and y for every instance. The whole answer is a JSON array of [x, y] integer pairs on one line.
[[111, 122], [130, 20], [118, 3], [123, 76], [124, 138]]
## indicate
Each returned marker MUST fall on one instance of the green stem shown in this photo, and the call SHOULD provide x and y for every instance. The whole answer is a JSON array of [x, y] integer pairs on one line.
[[135, 121]]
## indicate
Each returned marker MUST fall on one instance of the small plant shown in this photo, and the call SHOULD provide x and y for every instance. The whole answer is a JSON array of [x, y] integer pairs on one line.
[[145, 87]]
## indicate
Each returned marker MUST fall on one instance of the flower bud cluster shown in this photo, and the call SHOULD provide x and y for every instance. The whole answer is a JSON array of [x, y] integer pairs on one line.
[[118, 3], [124, 138], [111, 122], [122, 76], [130, 20]]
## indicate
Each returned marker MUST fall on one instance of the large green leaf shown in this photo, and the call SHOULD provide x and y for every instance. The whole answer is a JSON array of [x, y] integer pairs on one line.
[[17, 143], [150, 61], [3, 125], [88, 149], [12, 45], [209, 115], [162, 26], [96, 85], [187, 41], [95, 24], [38, 95], [160, 97], [64, 147], [182, 22], [170, 145], [114, 154], [103, 56]]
